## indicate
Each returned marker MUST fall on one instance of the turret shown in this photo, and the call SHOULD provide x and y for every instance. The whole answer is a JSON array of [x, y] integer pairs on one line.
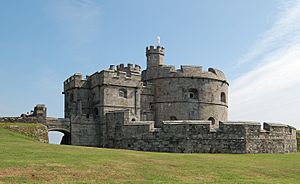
[[40, 110], [155, 56]]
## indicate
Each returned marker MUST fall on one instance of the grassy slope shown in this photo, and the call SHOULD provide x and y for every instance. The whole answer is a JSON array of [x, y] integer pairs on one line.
[[35, 130], [23, 160]]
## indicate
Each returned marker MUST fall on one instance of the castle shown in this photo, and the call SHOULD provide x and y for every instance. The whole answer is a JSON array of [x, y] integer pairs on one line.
[[164, 109], [158, 109]]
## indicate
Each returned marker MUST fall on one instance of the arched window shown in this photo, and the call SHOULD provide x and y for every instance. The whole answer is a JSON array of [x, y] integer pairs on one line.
[[213, 121], [133, 119], [123, 93], [173, 118], [223, 97], [193, 93]]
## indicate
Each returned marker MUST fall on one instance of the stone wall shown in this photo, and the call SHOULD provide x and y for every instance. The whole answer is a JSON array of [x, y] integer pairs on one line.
[[195, 136], [58, 124], [273, 138], [85, 131], [22, 119]]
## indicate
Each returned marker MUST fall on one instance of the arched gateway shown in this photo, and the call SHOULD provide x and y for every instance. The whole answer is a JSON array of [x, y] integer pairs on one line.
[[60, 125]]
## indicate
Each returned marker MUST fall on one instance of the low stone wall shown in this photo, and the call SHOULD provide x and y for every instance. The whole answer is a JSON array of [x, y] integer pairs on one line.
[[273, 138], [19, 119], [198, 136]]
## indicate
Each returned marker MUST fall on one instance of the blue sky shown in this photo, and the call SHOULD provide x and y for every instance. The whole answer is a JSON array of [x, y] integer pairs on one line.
[[256, 43]]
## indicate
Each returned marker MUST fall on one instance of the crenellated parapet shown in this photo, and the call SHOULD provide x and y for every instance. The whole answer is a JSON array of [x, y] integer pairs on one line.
[[163, 108], [155, 56], [122, 76], [130, 68], [75, 81], [185, 71]]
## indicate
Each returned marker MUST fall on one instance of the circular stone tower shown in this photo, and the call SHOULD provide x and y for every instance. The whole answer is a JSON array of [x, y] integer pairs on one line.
[[188, 93]]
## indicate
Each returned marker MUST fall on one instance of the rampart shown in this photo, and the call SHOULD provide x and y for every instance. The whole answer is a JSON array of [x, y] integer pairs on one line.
[[193, 136], [185, 71], [21, 120]]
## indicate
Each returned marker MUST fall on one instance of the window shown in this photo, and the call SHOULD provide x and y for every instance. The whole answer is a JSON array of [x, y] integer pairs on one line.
[[213, 121], [133, 119], [173, 118], [71, 97], [123, 93], [223, 97], [96, 112], [151, 106], [193, 93]]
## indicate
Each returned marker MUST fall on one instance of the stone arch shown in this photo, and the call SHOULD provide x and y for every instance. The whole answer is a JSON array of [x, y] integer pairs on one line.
[[66, 139], [223, 97], [213, 121]]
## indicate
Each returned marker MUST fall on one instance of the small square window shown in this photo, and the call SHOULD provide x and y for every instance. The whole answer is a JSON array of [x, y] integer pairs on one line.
[[123, 93]]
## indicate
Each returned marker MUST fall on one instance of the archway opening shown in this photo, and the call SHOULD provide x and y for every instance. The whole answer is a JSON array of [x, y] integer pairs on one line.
[[59, 137]]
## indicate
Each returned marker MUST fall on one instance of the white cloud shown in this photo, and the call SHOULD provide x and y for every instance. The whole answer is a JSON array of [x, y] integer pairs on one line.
[[271, 91]]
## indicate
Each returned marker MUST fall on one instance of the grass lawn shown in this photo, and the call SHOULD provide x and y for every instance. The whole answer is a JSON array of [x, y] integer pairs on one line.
[[23, 160]]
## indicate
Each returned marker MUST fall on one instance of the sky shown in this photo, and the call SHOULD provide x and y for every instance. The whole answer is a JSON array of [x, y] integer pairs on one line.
[[256, 43]]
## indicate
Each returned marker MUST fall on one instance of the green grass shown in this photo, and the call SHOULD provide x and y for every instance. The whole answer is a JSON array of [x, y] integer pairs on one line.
[[23, 160], [35, 130]]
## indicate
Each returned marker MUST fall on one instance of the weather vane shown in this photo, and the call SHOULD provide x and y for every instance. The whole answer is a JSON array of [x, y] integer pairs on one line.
[[158, 40]]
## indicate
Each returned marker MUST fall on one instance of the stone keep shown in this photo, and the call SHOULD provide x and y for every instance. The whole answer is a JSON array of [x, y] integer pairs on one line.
[[164, 109]]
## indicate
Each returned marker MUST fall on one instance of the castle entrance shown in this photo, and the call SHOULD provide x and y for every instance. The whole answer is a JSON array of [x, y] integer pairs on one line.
[[58, 136]]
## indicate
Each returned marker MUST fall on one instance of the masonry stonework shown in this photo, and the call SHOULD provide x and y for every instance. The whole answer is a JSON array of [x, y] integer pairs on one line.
[[164, 109], [161, 108]]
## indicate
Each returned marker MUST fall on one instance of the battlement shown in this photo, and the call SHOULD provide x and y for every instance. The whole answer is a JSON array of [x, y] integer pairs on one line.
[[168, 110], [130, 68], [130, 72], [115, 76], [170, 71], [154, 50], [75, 81], [76, 76]]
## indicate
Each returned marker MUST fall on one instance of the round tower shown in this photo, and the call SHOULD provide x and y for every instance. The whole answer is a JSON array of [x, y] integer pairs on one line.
[[155, 56], [189, 96], [188, 93]]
